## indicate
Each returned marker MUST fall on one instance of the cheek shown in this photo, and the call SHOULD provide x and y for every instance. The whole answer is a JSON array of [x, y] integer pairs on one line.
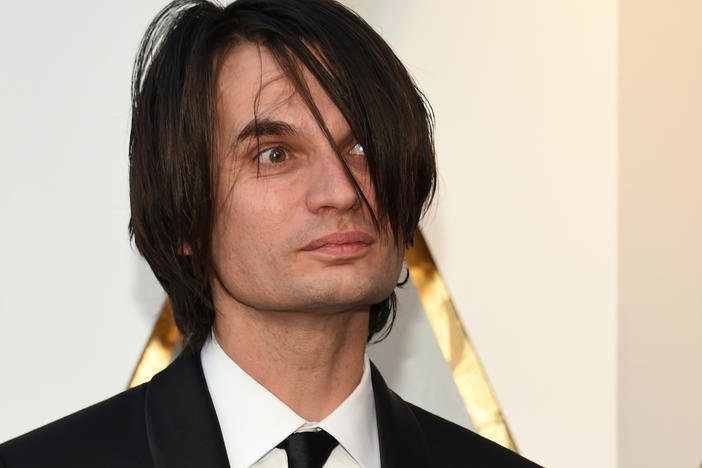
[[251, 221], [397, 256], [364, 181]]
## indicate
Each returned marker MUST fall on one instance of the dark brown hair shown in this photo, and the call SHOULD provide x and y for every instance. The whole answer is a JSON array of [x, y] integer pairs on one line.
[[173, 116]]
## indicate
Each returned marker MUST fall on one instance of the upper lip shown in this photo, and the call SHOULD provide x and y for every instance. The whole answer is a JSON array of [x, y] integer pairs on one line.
[[347, 237]]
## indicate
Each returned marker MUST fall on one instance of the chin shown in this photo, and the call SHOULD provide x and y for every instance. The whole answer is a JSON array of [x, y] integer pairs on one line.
[[343, 297]]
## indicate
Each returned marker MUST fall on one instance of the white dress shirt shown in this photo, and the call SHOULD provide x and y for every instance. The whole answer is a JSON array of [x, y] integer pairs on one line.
[[254, 421]]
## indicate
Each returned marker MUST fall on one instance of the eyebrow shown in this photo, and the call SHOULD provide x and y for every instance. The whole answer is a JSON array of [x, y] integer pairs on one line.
[[257, 128], [264, 127]]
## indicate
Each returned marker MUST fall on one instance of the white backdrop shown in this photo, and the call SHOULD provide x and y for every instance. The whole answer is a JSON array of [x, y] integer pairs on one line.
[[554, 232], [76, 303]]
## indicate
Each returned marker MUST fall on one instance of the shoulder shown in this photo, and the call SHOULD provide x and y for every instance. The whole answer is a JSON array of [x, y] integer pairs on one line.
[[110, 432], [411, 436], [451, 444]]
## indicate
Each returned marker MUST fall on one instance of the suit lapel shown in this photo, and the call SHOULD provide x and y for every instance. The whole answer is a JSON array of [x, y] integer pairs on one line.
[[181, 422], [401, 440]]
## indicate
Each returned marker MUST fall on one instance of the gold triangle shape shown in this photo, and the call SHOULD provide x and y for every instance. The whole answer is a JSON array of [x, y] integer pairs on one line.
[[468, 374]]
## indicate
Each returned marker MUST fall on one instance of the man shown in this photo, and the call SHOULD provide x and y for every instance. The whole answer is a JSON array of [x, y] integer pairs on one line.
[[281, 158]]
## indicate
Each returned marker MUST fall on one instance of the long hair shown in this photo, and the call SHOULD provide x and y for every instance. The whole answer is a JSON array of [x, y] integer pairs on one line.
[[173, 119]]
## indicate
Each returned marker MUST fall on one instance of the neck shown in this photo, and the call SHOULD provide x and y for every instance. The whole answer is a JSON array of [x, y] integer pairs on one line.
[[311, 360]]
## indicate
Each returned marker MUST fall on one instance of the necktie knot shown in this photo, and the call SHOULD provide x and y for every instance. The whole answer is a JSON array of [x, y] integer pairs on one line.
[[308, 449]]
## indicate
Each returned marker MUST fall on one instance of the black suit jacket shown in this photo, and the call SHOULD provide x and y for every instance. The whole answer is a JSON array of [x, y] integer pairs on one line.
[[170, 422]]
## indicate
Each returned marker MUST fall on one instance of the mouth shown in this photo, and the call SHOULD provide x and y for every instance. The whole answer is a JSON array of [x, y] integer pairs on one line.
[[341, 244]]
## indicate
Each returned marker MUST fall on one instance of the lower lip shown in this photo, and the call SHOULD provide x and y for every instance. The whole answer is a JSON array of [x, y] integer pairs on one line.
[[349, 249]]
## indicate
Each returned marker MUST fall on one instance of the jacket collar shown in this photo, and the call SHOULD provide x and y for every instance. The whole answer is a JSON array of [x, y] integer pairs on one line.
[[181, 423], [183, 430], [400, 436]]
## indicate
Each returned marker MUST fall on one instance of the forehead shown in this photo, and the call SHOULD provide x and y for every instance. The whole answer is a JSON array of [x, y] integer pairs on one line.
[[251, 84]]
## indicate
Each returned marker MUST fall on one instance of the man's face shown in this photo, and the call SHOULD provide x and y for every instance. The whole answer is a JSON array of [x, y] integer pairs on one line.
[[290, 233]]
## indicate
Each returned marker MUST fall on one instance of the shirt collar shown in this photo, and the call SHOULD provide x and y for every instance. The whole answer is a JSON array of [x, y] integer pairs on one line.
[[253, 420], [353, 423]]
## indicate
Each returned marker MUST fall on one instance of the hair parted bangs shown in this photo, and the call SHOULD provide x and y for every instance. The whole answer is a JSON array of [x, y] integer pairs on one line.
[[174, 116]]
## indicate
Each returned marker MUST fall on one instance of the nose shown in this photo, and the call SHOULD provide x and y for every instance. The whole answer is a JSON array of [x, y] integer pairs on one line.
[[329, 187]]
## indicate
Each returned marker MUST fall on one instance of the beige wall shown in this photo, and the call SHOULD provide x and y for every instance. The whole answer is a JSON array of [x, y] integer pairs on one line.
[[569, 219], [525, 228], [660, 234]]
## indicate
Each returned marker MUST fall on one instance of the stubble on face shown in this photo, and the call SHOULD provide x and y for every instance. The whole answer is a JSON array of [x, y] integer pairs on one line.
[[290, 233]]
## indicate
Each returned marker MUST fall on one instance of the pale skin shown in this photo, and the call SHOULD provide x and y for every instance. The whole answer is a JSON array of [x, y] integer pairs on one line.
[[297, 257]]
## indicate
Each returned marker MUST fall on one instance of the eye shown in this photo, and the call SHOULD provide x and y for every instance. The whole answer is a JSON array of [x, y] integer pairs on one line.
[[272, 156], [357, 149]]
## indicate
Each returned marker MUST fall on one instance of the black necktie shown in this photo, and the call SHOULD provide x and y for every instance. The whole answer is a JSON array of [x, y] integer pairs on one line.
[[308, 449]]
